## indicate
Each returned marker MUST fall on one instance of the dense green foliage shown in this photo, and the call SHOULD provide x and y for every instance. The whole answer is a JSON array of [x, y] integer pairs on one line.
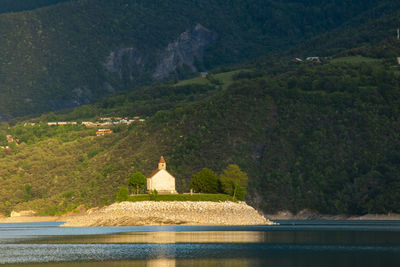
[[334, 144], [234, 181], [206, 181], [317, 136], [32, 134], [122, 194], [54, 56], [3, 139], [137, 182], [21, 5], [366, 34]]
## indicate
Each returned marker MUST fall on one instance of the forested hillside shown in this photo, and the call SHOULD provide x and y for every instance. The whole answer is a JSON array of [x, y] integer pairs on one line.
[[22, 5], [72, 53], [320, 135], [317, 136], [368, 31]]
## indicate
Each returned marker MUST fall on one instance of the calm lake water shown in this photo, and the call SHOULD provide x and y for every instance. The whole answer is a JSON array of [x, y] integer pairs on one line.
[[292, 243]]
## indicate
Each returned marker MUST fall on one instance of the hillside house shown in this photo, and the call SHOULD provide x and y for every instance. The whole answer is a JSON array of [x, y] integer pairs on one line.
[[398, 60], [203, 74], [161, 180], [89, 124], [101, 132], [313, 59], [297, 60], [10, 139]]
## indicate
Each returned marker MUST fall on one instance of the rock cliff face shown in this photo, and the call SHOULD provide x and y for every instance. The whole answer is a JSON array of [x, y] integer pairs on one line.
[[126, 67], [126, 61], [189, 46], [130, 64]]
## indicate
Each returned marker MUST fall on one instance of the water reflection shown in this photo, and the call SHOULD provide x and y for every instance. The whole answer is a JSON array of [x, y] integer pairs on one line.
[[155, 263], [159, 238], [161, 263], [291, 244], [359, 238]]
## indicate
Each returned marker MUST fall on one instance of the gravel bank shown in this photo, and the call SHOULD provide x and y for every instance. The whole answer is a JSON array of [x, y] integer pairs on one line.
[[30, 219], [170, 213]]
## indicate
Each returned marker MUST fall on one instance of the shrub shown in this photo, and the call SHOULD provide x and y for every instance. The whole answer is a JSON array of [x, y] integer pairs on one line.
[[137, 182], [206, 181], [123, 194], [234, 181], [154, 195]]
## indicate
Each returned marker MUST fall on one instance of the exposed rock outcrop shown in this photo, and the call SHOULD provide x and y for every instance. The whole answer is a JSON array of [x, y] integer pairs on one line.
[[23, 213], [82, 95], [130, 64], [189, 46], [125, 60]]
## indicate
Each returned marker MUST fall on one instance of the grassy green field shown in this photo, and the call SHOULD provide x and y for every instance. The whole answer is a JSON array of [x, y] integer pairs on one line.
[[182, 197], [224, 78], [196, 80]]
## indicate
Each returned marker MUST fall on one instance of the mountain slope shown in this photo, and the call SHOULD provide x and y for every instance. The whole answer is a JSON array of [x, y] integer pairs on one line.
[[366, 30], [7, 6], [317, 136], [74, 52]]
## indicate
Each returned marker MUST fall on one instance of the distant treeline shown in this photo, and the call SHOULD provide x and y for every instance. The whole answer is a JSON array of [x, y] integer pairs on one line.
[[22, 5]]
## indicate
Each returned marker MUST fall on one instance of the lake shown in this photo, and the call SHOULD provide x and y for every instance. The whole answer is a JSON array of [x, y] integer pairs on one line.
[[292, 243]]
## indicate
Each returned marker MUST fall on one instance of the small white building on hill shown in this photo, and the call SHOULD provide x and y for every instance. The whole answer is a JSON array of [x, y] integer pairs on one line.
[[161, 180]]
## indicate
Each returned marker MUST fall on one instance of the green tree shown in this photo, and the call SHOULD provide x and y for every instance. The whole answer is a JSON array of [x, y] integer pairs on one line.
[[122, 195], [13, 146], [206, 181], [3, 139], [137, 182], [234, 181], [28, 192]]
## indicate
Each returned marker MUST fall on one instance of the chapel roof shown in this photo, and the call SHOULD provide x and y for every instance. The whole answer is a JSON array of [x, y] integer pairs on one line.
[[162, 160], [154, 173]]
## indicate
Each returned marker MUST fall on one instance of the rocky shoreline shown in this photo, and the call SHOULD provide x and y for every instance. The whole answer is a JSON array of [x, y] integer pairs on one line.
[[169, 213], [180, 213]]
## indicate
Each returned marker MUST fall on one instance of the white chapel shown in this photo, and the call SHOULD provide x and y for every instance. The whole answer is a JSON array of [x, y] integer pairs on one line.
[[161, 180]]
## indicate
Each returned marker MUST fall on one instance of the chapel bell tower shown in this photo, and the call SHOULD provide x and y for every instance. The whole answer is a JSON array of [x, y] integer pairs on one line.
[[162, 165]]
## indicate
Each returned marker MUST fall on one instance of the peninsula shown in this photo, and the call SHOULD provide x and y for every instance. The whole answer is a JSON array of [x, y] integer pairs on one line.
[[169, 213]]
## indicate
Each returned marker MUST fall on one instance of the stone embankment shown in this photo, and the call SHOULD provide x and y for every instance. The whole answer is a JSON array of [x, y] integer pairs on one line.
[[169, 213]]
